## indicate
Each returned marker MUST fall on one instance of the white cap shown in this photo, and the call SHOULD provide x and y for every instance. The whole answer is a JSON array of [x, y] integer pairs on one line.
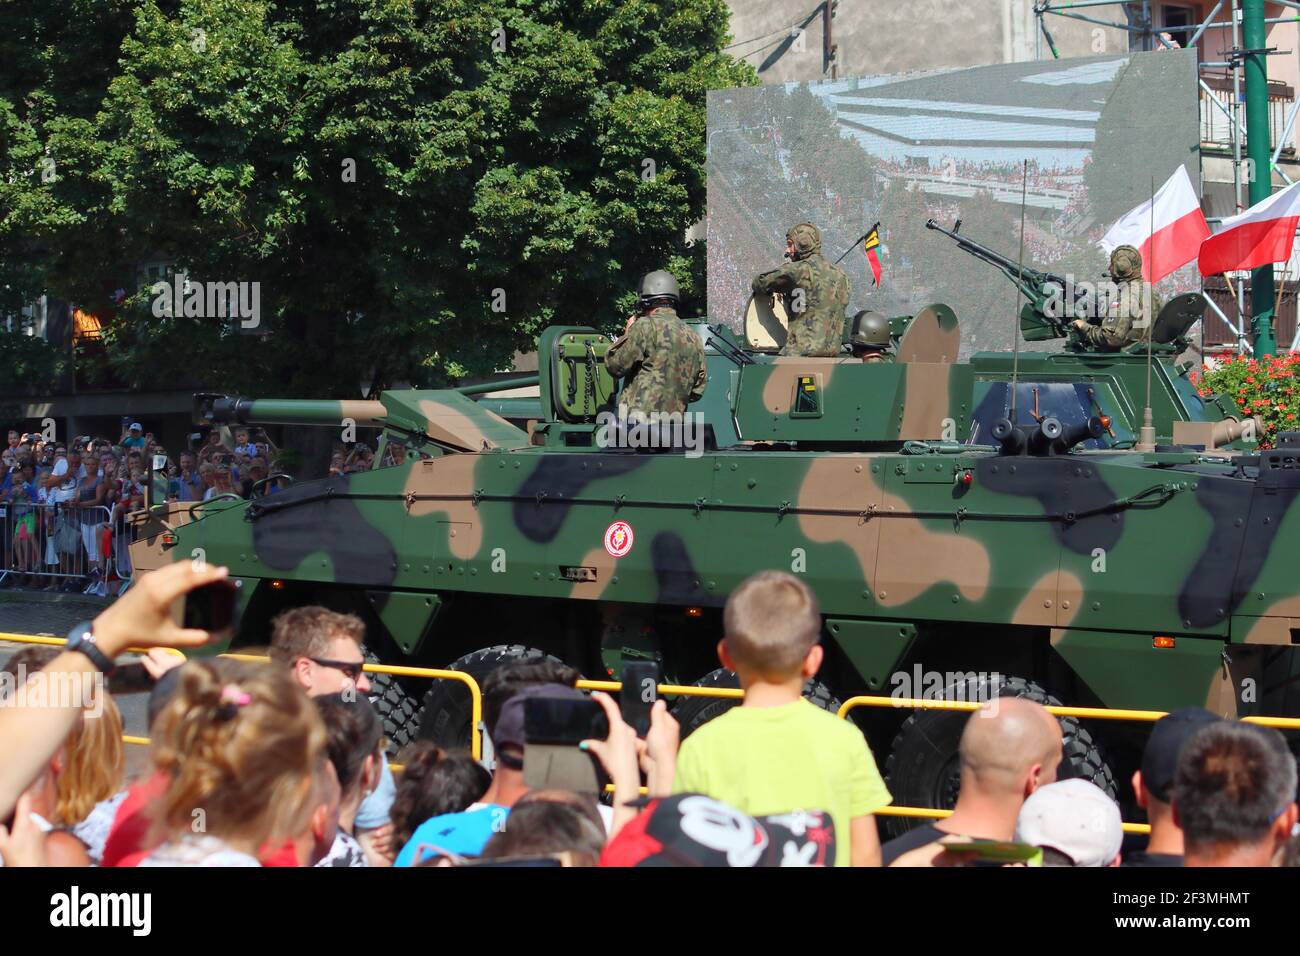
[[136, 427], [1074, 817]]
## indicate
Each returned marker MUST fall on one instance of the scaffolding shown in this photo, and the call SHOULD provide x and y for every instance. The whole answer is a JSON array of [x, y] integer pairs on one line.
[[1140, 24]]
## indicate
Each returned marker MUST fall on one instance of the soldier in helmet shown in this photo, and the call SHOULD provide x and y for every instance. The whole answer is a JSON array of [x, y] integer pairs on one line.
[[662, 359], [869, 337], [1129, 312], [816, 294]]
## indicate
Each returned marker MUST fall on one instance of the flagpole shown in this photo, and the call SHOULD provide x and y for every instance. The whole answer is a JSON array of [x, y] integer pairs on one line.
[[1147, 433]]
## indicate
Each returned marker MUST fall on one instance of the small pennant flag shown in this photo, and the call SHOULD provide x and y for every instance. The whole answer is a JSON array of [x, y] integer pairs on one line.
[[871, 246]]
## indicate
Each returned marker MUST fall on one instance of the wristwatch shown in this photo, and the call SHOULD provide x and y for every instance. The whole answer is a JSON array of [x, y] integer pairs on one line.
[[81, 638]]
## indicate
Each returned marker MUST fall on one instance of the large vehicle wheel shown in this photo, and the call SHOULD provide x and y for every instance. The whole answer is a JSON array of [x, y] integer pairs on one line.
[[923, 768], [398, 708], [694, 712], [447, 707]]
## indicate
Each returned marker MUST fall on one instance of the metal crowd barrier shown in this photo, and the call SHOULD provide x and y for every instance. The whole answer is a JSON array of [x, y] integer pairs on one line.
[[475, 694], [53, 547], [676, 690]]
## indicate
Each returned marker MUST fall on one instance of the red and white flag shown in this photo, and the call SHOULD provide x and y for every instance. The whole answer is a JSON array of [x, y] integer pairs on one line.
[[1169, 236], [1262, 234]]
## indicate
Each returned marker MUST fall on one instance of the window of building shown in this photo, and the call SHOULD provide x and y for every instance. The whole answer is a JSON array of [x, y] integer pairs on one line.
[[1179, 22]]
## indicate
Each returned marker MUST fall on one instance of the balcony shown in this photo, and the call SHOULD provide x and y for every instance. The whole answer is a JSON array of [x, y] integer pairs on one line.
[[1216, 128]]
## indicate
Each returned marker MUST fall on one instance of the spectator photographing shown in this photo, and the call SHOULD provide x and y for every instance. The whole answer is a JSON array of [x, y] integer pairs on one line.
[[32, 736], [1234, 796], [776, 752], [1009, 748], [465, 833]]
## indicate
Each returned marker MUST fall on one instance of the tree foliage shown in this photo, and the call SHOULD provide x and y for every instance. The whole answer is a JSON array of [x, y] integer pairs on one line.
[[516, 163]]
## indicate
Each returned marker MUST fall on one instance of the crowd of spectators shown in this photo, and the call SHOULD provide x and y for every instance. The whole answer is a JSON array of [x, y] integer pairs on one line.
[[283, 764], [64, 504]]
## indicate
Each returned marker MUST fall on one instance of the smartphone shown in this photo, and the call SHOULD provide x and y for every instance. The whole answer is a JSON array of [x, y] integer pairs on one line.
[[639, 693], [130, 679], [213, 608], [563, 720]]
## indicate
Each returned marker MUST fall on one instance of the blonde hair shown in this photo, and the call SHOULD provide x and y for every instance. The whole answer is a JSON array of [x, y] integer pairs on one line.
[[770, 623], [241, 743], [94, 766]]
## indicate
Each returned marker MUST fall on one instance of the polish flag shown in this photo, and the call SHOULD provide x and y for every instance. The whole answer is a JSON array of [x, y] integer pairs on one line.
[[1168, 237], [1262, 234]]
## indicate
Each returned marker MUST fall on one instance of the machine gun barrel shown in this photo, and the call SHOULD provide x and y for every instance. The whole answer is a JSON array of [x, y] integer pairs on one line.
[[1043, 290], [1034, 276]]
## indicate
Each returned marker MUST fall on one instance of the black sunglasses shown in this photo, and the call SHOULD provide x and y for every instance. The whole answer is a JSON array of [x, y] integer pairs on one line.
[[350, 669]]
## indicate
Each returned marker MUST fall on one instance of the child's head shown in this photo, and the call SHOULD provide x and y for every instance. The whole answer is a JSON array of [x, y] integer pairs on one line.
[[770, 628], [352, 736], [94, 765], [240, 743]]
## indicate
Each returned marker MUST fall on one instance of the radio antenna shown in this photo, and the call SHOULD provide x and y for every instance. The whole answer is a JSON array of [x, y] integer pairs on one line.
[[1147, 433], [1020, 288]]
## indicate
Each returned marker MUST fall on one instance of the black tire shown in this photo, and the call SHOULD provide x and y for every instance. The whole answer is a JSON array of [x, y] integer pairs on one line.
[[694, 712], [398, 708], [923, 770], [447, 711]]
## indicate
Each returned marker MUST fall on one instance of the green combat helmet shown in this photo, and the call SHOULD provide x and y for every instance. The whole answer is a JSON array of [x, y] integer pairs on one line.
[[870, 331], [807, 239], [1125, 264], [658, 285]]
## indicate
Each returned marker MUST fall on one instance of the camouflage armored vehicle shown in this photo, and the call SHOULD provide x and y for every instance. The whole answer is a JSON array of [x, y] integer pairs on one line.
[[1025, 561], [1072, 384]]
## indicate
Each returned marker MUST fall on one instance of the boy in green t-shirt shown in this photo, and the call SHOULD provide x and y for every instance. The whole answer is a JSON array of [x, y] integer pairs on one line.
[[776, 752]]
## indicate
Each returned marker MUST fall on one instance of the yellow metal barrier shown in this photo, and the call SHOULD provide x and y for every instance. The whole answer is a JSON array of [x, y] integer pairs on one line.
[[1088, 713], [475, 694], [665, 690], [678, 690]]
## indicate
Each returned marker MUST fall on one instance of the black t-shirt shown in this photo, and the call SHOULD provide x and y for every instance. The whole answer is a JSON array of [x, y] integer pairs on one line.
[[919, 837], [1152, 859]]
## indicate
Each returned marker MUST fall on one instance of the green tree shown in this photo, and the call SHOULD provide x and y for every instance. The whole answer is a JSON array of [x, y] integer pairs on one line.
[[417, 187]]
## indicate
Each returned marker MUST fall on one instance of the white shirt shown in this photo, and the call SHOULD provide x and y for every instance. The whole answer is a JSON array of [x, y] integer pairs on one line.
[[67, 489]]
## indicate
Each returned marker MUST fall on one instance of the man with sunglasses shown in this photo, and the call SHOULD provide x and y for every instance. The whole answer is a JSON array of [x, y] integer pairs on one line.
[[322, 650]]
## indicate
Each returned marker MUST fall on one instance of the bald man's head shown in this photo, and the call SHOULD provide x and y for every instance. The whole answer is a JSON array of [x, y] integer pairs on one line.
[[1010, 746]]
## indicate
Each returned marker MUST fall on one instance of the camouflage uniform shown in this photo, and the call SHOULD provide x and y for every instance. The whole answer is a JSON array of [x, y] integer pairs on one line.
[[818, 327], [1126, 321], [664, 361]]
